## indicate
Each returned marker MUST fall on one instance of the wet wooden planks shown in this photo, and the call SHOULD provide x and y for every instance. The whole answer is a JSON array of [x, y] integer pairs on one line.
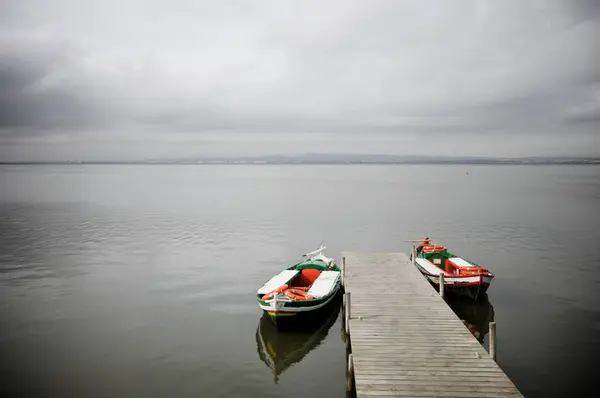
[[406, 341]]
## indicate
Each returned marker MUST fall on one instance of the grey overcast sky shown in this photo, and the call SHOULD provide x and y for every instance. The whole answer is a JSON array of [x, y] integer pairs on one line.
[[152, 79]]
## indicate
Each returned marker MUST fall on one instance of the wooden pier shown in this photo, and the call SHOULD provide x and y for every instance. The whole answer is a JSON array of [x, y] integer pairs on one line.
[[405, 341]]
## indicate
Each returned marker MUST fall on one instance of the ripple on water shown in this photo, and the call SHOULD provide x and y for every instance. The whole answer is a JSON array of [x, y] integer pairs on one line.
[[236, 308]]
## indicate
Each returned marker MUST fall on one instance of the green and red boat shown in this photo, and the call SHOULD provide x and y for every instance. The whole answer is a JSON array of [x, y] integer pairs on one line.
[[302, 289], [461, 276]]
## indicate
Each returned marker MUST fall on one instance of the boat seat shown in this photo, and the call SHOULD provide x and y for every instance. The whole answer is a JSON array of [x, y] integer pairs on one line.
[[324, 283], [428, 265], [281, 278], [459, 262]]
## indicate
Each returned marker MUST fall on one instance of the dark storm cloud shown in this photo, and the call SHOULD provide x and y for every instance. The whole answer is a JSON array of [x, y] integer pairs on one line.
[[33, 91], [69, 70]]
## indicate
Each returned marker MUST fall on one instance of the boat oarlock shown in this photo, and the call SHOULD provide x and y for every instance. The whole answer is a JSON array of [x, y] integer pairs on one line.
[[315, 252]]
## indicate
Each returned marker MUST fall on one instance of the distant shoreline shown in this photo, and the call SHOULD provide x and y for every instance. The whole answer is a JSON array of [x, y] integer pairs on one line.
[[323, 163]]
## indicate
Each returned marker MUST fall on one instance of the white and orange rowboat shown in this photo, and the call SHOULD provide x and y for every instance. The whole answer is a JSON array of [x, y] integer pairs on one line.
[[301, 289], [461, 276]]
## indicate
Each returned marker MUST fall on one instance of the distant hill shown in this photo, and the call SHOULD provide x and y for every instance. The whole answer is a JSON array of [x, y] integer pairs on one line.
[[328, 158]]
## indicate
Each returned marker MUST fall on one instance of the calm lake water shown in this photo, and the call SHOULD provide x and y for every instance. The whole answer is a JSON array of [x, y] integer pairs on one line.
[[140, 281]]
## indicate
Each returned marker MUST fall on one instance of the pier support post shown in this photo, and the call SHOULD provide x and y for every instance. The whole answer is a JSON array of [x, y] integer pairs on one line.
[[441, 282], [347, 313], [493, 340], [350, 375], [343, 270]]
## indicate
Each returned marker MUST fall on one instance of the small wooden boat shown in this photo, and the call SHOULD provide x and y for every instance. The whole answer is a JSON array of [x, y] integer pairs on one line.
[[302, 288], [461, 276], [281, 350]]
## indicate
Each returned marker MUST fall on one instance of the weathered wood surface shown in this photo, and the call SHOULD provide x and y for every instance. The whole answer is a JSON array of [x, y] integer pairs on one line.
[[406, 341]]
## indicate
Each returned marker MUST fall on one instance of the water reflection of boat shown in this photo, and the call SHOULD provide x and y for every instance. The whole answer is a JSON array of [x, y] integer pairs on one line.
[[280, 349], [477, 315]]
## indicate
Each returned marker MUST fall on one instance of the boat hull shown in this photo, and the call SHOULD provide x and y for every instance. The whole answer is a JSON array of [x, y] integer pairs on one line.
[[473, 287], [290, 313], [465, 287]]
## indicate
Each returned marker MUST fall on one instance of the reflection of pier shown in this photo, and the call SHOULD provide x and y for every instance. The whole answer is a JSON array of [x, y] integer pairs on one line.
[[281, 349], [476, 315]]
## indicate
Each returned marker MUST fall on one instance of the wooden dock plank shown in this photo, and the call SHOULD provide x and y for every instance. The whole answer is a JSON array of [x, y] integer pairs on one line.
[[406, 341]]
